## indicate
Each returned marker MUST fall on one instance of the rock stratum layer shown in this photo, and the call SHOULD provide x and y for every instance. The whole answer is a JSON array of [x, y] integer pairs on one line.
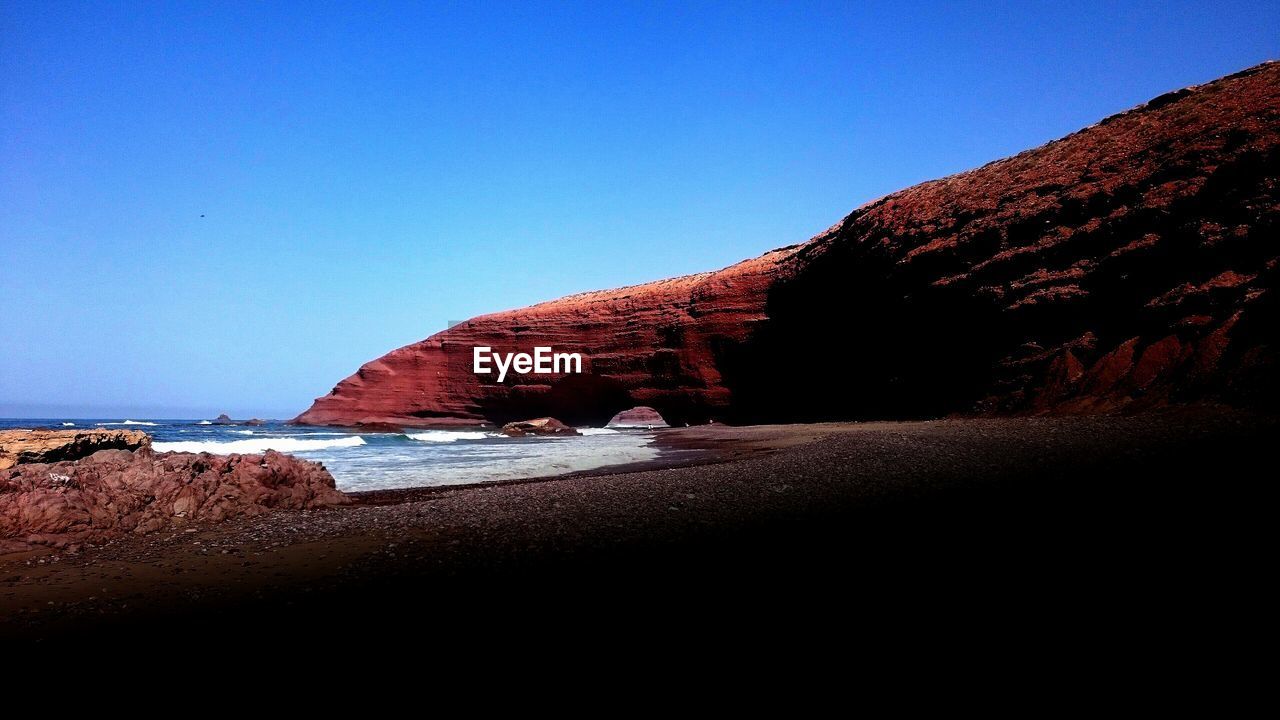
[[37, 446], [114, 492], [1128, 265]]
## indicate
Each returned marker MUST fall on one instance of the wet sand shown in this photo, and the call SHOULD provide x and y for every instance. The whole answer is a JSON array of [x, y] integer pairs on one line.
[[785, 525]]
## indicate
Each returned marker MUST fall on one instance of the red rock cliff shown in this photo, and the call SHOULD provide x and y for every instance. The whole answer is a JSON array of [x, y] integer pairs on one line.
[[1130, 264], [654, 344]]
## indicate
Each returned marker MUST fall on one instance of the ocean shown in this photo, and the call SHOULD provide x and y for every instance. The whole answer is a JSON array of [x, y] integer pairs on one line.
[[383, 461]]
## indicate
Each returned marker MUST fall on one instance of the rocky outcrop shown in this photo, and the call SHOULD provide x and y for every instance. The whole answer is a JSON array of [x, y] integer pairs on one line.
[[539, 426], [1128, 265], [225, 419], [43, 446], [637, 417], [115, 492]]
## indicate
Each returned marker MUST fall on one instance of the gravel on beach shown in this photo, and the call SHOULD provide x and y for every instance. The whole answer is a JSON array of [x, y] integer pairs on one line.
[[786, 514]]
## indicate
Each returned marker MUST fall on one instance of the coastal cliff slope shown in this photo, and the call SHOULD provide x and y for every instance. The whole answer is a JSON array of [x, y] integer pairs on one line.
[[656, 344], [1129, 265]]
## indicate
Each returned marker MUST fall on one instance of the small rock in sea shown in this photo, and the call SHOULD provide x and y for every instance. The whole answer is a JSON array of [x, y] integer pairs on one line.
[[538, 426]]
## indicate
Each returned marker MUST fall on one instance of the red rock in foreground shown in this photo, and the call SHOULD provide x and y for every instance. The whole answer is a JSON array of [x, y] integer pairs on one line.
[[1130, 264], [32, 446], [114, 492]]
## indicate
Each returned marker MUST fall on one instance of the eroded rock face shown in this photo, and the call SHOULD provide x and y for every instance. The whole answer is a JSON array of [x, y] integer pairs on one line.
[[637, 417], [1128, 265], [539, 426], [115, 492], [32, 446], [654, 344]]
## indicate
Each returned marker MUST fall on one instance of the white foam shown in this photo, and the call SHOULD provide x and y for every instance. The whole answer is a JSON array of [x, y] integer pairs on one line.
[[204, 422], [597, 431], [382, 467], [257, 445], [132, 422], [242, 432], [68, 424], [448, 436], [327, 434]]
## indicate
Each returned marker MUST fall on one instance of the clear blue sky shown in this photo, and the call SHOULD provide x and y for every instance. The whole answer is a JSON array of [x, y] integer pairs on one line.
[[368, 171]]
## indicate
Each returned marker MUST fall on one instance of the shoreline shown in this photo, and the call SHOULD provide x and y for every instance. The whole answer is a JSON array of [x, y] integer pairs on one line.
[[686, 448], [773, 509], [673, 452], [678, 448]]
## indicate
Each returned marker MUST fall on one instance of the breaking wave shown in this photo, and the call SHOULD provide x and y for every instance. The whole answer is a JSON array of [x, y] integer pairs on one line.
[[597, 431], [68, 424], [448, 436], [205, 422], [133, 422], [257, 445]]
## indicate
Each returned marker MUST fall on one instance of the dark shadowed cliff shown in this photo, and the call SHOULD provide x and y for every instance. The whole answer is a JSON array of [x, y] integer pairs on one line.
[[1129, 265]]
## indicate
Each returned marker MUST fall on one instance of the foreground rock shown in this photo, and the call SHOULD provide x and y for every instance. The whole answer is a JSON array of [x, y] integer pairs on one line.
[[637, 417], [114, 492], [540, 426], [1131, 264], [37, 446]]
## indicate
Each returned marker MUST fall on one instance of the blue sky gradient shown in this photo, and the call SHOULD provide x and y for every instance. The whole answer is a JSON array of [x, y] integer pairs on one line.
[[211, 207]]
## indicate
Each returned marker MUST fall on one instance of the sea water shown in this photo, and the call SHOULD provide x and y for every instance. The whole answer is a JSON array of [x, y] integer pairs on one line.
[[382, 461]]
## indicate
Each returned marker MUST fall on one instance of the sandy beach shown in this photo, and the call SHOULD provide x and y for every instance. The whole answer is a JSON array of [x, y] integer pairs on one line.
[[827, 518]]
